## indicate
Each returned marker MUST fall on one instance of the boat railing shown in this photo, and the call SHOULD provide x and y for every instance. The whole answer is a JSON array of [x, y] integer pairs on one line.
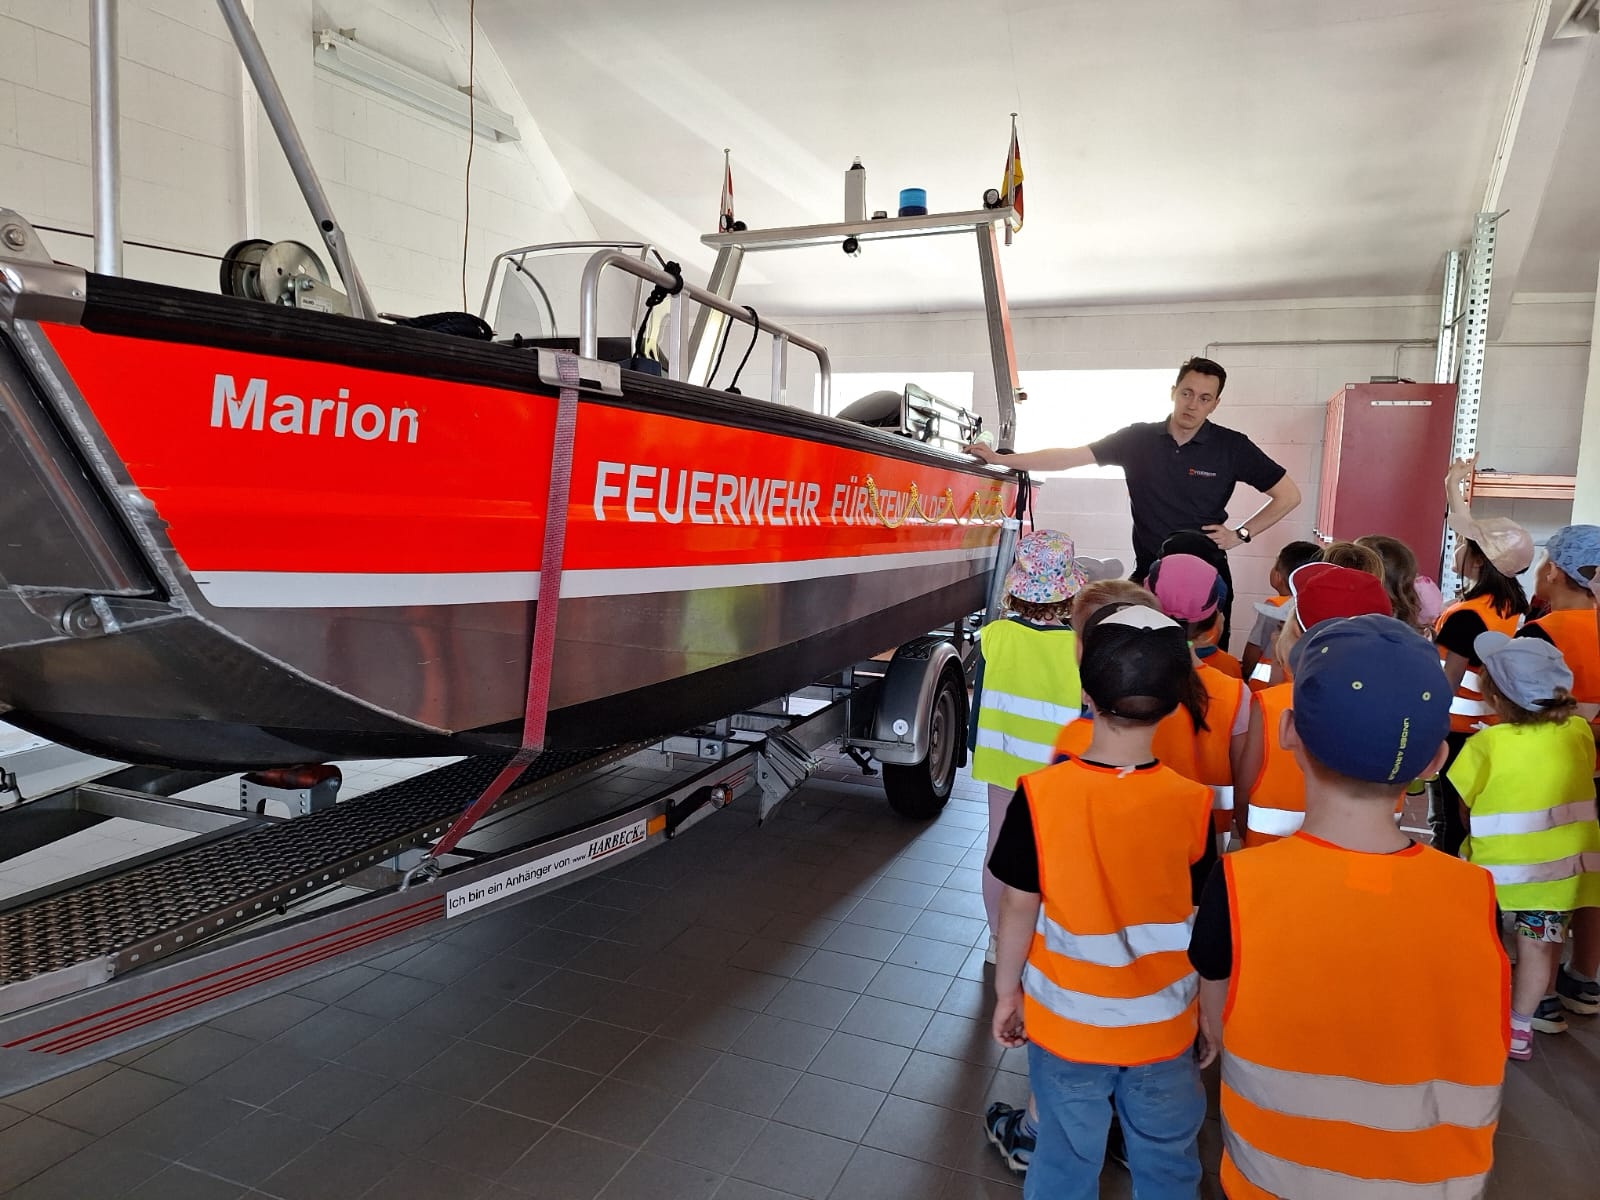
[[516, 260], [589, 322]]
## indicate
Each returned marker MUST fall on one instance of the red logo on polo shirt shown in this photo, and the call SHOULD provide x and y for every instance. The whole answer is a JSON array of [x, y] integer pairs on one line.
[[1202, 474]]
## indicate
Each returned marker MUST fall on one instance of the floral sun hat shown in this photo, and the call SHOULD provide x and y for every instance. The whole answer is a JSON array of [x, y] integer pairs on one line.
[[1045, 571]]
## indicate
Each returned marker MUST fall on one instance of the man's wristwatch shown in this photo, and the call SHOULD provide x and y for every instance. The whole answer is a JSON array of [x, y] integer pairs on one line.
[[1242, 534]]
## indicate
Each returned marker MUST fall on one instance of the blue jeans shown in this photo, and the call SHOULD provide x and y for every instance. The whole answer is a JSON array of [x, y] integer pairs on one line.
[[1162, 1106]]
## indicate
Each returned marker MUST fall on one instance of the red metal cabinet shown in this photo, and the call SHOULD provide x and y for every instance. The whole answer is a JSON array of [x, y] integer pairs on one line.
[[1385, 450]]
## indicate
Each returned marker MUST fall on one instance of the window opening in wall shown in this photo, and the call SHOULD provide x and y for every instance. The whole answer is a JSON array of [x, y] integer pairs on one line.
[[849, 386], [1073, 408]]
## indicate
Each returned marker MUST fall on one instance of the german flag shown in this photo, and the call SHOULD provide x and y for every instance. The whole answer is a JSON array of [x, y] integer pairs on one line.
[[1011, 189]]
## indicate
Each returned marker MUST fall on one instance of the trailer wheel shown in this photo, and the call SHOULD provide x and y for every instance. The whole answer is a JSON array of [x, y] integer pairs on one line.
[[920, 791]]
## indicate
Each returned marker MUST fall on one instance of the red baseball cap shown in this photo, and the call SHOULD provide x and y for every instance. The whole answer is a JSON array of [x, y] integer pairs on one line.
[[1323, 591]]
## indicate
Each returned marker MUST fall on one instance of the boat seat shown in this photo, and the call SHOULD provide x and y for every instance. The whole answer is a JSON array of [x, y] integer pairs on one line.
[[612, 349]]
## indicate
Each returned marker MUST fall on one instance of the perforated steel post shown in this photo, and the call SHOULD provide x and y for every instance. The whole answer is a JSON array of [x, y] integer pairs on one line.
[[1469, 382]]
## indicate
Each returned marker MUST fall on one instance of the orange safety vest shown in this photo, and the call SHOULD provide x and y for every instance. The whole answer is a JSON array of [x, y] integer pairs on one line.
[[1174, 744], [1221, 660], [1108, 978], [1261, 678], [1573, 632], [1278, 795], [1469, 711], [1319, 1097], [1213, 744]]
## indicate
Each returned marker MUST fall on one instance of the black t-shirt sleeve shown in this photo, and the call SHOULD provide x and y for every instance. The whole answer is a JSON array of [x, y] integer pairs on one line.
[[1015, 859], [1200, 871], [1458, 633], [1252, 466], [1114, 449], [1533, 631], [1211, 943]]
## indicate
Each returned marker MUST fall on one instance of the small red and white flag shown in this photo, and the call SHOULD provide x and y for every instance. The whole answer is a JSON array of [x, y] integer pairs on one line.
[[725, 218], [1011, 189]]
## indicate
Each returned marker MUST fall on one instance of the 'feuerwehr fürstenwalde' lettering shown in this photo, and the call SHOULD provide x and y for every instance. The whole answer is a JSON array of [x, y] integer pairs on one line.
[[316, 417]]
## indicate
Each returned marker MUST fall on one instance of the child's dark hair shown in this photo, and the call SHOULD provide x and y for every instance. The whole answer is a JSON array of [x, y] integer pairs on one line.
[[1399, 576], [1193, 698], [1554, 712], [1039, 614], [1504, 591], [1296, 555]]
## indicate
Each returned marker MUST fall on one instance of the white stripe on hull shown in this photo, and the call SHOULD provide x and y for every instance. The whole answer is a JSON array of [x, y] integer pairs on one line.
[[314, 589]]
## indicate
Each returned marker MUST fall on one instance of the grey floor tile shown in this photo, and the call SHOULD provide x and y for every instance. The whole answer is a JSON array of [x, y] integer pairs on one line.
[[620, 1112], [34, 1145], [255, 1148], [918, 870], [959, 903], [934, 852], [881, 914], [741, 1189], [390, 996], [970, 998], [443, 963], [332, 1095], [797, 1160], [874, 1174], [609, 960], [707, 944], [746, 1085], [845, 971], [266, 1019], [588, 920], [468, 1069], [1524, 1170], [505, 977], [591, 1046], [924, 1132], [946, 927], [456, 1009], [705, 1023], [522, 1028], [103, 1169], [398, 1050], [418, 1179], [568, 992], [787, 1043], [334, 1168], [861, 1060], [551, 947], [887, 1021], [192, 1056], [564, 1165], [962, 1186], [183, 1123], [669, 972], [831, 1106], [1533, 1106], [909, 985], [647, 1177], [329, 1033], [930, 954], [947, 1082], [42, 1095], [771, 957], [542, 1090], [740, 988], [902, 891], [483, 1141], [333, 986], [862, 941], [111, 1101], [633, 1007], [404, 1117], [178, 1182], [812, 1003], [667, 1065], [799, 928], [262, 1075], [966, 1038], [705, 1136]]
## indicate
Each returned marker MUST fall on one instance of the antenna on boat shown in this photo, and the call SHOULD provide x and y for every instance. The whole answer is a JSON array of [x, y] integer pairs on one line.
[[103, 123], [266, 85]]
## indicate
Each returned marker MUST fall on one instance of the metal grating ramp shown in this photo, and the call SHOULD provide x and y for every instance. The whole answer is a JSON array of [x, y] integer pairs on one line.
[[162, 907]]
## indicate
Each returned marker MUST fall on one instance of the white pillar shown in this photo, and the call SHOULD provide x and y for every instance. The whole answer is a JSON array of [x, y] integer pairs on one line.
[[1586, 499]]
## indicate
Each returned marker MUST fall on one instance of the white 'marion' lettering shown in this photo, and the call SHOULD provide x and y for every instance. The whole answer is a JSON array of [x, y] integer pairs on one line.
[[294, 415]]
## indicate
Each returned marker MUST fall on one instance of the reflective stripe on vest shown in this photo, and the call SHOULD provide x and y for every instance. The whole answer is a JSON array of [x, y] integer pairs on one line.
[[1222, 799], [1034, 710], [1396, 1108], [1274, 822], [1568, 867], [1280, 1177], [1501, 824], [1111, 1012], [1461, 706], [1118, 949], [1262, 673], [1034, 752]]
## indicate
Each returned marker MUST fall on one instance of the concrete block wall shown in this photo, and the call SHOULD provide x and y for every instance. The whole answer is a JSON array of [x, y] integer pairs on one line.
[[198, 175]]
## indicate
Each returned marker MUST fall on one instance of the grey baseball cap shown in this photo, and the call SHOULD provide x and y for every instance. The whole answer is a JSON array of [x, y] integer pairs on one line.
[[1528, 670]]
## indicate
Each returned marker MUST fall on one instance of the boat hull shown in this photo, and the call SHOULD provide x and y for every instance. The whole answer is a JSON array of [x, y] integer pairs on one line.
[[259, 536]]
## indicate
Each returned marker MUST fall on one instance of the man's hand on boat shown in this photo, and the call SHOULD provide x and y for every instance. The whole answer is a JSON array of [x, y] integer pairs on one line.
[[984, 453]]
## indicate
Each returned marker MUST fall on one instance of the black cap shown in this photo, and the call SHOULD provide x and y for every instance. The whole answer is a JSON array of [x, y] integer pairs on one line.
[[1135, 662]]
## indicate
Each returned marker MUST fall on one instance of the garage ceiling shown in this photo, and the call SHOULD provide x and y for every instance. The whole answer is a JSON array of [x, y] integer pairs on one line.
[[1173, 151]]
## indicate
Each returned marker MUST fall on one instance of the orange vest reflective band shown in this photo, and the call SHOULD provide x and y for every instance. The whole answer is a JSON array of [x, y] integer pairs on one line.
[[1108, 978], [1213, 766], [1173, 744], [1278, 796], [1573, 632], [1469, 710], [1320, 1099]]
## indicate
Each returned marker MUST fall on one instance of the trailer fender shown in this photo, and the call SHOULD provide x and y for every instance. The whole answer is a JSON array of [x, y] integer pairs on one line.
[[900, 724]]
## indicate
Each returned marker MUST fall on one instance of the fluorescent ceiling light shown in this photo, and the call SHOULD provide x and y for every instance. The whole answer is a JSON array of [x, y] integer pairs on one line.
[[341, 55]]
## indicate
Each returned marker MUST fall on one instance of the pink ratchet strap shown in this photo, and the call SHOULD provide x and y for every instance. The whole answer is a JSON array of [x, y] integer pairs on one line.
[[541, 661]]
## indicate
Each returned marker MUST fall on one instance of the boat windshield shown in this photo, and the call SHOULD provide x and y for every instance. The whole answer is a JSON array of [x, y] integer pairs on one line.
[[534, 292]]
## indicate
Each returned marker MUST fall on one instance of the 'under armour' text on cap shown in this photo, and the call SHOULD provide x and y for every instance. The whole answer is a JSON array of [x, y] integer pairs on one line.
[[1370, 698]]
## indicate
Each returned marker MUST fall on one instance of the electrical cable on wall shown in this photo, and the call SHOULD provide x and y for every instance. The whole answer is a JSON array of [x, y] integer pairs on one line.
[[472, 138]]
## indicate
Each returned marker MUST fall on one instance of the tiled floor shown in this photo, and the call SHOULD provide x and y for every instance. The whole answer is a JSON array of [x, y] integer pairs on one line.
[[748, 1014]]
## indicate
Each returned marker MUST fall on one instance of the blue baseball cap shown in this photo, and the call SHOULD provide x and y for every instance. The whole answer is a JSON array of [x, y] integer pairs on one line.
[[1573, 548], [1370, 698]]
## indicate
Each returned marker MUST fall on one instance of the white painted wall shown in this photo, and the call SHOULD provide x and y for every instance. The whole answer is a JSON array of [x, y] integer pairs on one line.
[[197, 176], [1277, 394]]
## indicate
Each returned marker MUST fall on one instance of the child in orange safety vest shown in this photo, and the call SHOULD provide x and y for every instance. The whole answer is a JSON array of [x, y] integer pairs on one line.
[[1308, 948], [1102, 856], [1259, 657]]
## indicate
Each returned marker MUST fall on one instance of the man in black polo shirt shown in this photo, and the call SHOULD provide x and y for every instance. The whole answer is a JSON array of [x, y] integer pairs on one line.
[[1181, 473]]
